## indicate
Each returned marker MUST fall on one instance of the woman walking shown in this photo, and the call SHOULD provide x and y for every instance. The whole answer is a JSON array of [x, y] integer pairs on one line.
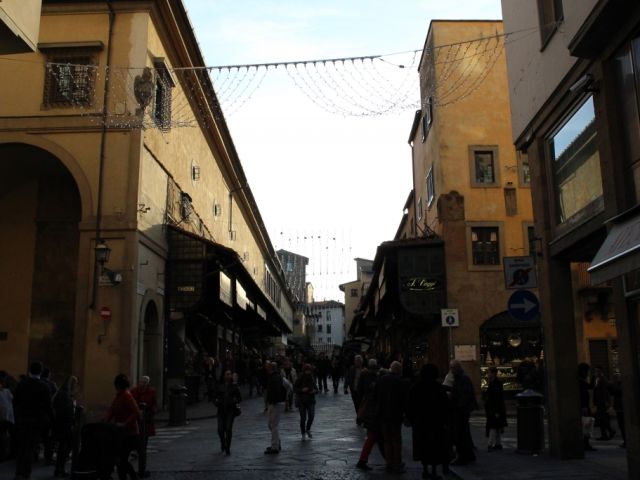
[[305, 389], [429, 413], [227, 398]]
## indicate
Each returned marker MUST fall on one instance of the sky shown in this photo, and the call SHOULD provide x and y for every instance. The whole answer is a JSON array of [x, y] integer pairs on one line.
[[330, 187]]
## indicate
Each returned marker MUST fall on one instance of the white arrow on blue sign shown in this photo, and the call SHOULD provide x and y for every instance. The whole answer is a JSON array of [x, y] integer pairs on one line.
[[523, 305]]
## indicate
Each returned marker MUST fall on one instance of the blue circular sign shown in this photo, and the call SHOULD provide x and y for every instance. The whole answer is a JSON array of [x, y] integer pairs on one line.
[[523, 305]]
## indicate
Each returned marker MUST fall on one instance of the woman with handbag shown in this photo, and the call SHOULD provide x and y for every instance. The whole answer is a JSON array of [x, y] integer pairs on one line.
[[227, 399]]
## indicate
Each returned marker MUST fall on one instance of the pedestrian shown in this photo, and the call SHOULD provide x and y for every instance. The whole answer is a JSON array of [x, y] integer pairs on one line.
[[227, 364], [276, 393], [351, 382], [291, 375], [322, 370], [584, 385], [124, 412], [147, 399], [615, 388], [602, 402], [495, 410], [209, 372], [305, 390], [429, 413], [391, 394], [7, 418], [254, 367], [48, 441], [369, 413], [336, 372], [227, 399], [64, 408], [463, 401], [33, 416]]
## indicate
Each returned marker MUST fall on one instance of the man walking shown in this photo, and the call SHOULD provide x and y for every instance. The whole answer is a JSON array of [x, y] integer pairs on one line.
[[276, 392], [33, 415]]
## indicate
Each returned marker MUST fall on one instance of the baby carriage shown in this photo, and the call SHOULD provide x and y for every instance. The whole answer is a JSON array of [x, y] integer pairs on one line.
[[98, 454]]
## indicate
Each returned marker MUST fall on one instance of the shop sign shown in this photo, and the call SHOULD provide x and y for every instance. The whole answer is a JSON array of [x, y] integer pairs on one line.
[[225, 289], [465, 353], [421, 279], [520, 272], [241, 296], [420, 284]]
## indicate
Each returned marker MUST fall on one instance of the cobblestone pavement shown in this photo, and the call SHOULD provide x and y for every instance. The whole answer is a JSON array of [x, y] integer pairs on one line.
[[192, 451]]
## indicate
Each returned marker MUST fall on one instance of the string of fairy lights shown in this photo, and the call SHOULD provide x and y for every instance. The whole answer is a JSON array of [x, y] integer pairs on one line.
[[361, 86]]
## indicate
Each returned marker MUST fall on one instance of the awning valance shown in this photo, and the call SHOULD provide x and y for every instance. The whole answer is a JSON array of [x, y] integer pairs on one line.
[[620, 252]]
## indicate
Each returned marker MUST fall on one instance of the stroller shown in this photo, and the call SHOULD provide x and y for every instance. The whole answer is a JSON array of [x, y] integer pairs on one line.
[[99, 449]]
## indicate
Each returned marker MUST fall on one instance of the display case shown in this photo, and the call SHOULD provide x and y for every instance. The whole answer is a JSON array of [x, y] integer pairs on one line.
[[507, 375]]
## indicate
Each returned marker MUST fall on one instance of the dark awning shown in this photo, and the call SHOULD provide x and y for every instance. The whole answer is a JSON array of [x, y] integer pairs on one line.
[[620, 252], [195, 259]]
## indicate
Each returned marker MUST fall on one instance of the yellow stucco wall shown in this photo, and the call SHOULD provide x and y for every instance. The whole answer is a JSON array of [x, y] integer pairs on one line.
[[137, 164], [480, 119]]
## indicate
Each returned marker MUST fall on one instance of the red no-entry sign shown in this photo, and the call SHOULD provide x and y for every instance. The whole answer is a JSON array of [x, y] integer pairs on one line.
[[105, 313]]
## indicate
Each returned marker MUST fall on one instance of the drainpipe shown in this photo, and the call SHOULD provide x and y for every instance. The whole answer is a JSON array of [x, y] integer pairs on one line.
[[103, 141]]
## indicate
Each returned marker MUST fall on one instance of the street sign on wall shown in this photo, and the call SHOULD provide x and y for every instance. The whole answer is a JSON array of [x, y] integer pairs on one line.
[[523, 305], [450, 317], [520, 272]]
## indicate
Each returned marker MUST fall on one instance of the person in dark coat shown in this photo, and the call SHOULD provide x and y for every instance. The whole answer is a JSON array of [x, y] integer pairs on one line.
[[64, 407], [351, 382], [429, 413], [33, 415], [227, 398], [305, 390], [602, 402], [463, 400], [323, 366], [368, 413], [495, 410], [391, 394]]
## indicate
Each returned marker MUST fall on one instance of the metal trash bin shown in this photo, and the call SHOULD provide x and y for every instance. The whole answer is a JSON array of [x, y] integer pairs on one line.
[[178, 405], [530, 418]]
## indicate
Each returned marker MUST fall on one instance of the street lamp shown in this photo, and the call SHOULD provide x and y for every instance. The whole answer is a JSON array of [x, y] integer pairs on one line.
[[103, 252]]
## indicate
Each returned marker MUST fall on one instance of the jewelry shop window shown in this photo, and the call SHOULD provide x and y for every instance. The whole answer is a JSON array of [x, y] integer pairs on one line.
[[576, 162]]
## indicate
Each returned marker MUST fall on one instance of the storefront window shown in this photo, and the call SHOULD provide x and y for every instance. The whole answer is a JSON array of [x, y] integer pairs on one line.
[[576, 162], [626, 66]]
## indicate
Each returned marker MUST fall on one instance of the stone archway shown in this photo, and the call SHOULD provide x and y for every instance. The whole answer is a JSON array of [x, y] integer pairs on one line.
[[40, 208]]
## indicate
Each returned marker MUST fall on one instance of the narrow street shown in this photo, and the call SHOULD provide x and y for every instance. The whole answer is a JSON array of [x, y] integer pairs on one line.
[[192, 451]]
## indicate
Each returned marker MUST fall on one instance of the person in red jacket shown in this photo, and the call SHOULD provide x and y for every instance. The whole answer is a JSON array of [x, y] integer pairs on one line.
[[147, 400], [125, 413]]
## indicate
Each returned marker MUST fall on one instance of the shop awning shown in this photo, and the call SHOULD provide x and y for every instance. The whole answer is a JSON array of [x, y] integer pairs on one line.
[[194, 259], [620, 252]]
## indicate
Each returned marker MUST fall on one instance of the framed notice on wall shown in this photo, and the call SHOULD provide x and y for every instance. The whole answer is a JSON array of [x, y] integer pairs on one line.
[[465, 353]]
